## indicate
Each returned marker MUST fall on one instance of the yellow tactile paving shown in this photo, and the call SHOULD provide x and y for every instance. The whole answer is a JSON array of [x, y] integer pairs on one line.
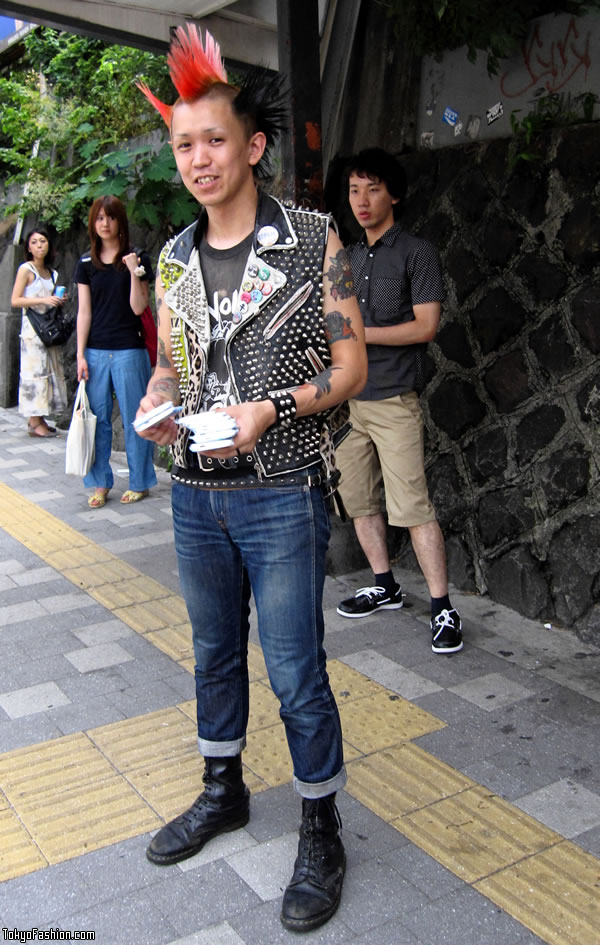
[[399, 780], [85, 791], [71, 557], [384, 719], [256, 663], [18, 852], [152, 614], [137, 590], [176, 642], [475, 833], [104, 572], [70, 798], [556, 894], [161, 736], [264, 707], [268, 757], [67, 823], [347, 684]]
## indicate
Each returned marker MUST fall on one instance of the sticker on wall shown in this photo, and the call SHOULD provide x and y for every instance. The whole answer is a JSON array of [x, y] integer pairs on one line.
[[473, 126], [494, 113], [458, 128], [450, 116], [431, 105], [427, 139]]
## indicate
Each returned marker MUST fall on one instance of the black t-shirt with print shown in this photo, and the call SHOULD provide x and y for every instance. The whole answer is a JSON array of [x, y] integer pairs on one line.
[[115, 326]]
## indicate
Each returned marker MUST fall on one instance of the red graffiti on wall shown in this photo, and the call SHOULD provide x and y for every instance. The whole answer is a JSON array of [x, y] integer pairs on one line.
[[557, 63]]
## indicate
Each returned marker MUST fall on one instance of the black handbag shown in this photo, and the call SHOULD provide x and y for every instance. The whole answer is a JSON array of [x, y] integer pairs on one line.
[[52, 328]]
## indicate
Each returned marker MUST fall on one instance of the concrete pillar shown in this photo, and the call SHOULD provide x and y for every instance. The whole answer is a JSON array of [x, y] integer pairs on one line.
[[10, 325]]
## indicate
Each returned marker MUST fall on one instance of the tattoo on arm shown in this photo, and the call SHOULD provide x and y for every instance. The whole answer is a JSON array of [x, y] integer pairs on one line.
[[340, 276], [322, 382], [158, 308], [338, 328], [163, 360], [165, 385]]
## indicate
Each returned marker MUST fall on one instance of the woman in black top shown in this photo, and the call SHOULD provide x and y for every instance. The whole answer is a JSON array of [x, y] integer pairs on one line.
[[112, 283]]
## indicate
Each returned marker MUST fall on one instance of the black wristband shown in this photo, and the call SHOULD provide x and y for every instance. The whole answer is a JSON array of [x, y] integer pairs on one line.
[[285, 409]]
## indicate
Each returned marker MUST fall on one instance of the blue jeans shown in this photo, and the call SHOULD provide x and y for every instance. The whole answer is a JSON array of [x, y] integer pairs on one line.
[[127, 372], [275, 540]]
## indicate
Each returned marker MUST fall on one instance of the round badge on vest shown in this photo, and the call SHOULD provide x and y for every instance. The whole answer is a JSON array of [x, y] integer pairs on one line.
[[267, 235]]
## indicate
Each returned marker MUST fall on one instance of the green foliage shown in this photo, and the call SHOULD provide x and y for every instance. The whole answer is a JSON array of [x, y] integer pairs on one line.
[[495, 28], [551, 110], [82, 111]]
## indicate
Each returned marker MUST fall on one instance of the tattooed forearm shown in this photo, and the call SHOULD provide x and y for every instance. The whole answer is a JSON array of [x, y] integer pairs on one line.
[[163, 360], [340, 276], [338, 328], [165, 385], [322, 382], [159, 305]]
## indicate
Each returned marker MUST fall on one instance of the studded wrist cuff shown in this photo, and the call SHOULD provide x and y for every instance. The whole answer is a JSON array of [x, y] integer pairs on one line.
[[285, 410]]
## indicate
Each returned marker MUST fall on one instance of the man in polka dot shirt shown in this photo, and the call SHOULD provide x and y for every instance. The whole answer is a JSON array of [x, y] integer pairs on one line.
[[399, 285]]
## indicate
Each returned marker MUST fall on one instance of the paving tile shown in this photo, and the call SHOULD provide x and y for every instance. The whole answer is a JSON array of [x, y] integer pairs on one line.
[[98, 657], [385, 935], [496, 779], [35, 576], [31, 672], [19, 613], [462, 916], [32, 699], [491, 692], [49, 495], [28, 730], [390, 674], [45, 896], [223, 895], [423, 871], [77, 718], [124, 920], [60, 602], [29, 474], [11, 566], [221, 934], [564, 806], [219, 848], [118, 869], [375, 894], [105, 632], [267, 867]]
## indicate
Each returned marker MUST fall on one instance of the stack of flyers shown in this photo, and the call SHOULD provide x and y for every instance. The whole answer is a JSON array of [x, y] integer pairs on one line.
[[210, 430], [155, 416]]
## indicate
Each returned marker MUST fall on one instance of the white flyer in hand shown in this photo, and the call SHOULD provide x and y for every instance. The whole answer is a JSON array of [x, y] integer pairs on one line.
[[155, 416], [210, 430]]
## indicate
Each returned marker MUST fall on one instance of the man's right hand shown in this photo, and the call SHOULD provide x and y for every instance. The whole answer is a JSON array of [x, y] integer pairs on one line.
[[163, 433]]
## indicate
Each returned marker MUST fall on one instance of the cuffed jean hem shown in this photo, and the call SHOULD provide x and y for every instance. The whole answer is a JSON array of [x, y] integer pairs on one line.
[[221, 749], [323, 788]]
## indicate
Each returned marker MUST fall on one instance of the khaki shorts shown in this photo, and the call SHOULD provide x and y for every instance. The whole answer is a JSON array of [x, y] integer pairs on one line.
[[386, 443]]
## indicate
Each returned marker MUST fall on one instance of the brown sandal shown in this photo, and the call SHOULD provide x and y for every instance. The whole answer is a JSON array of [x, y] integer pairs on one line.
[[50, 431]]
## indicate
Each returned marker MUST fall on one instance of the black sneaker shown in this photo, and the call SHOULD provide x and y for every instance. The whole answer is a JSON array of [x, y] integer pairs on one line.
[[446, 629], [369, 599]]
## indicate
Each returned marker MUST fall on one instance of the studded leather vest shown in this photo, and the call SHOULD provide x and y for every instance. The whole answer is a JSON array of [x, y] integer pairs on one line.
[[278, 341]]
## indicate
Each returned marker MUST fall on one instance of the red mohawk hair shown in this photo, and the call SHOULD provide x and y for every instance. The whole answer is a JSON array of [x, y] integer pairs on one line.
[[193, 68]]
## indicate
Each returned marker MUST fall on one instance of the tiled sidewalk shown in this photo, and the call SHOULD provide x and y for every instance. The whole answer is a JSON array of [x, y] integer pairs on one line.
[[472, 811]]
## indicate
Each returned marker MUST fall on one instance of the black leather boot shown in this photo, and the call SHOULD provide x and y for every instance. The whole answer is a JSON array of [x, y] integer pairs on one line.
[[314, 892], [223, 805]]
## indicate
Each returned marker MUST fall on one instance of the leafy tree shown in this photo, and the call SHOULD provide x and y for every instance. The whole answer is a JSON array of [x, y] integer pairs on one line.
[[77, 98], [494, 28]]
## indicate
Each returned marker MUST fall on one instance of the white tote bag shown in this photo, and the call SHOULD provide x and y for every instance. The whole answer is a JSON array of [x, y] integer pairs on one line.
[[82, 433]]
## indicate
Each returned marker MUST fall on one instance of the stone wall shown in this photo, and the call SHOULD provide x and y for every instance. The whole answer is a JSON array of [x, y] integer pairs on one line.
[[512, 401]]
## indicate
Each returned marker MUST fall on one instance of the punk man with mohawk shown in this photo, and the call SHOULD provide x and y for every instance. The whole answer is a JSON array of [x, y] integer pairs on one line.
[[257, 318]]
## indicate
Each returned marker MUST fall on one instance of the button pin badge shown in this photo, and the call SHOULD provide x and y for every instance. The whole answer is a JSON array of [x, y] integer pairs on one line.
[[267, 235]]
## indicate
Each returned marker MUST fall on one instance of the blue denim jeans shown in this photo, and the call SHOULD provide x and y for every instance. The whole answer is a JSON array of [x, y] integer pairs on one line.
[[127, 373], [275, 540]]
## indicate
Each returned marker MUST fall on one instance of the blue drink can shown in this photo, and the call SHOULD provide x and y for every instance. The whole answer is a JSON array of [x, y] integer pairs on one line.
[[59, 291]]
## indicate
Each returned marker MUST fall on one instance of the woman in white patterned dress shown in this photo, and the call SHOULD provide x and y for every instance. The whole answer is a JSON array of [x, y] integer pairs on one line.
[[42, 389]]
